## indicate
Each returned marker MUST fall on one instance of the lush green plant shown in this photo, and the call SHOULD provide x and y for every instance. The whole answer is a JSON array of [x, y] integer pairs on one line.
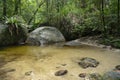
[[14, 23]]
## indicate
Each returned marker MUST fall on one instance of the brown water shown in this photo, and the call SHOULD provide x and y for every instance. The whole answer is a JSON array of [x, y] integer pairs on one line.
[[43, 62]]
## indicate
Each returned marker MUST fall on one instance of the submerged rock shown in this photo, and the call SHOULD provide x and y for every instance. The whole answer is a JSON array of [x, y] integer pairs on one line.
[[61, 72], [95, 76], [82, 75], [117, 67], [92, 76], [10, 36], [88, 62], [45, 35], [112, 75], [28, 73]]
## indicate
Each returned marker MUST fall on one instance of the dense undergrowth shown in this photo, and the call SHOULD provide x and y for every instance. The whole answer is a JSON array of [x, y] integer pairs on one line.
[[111, 41]]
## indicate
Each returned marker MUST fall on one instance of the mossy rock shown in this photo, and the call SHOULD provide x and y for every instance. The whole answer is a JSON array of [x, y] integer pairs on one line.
[[12, 36]]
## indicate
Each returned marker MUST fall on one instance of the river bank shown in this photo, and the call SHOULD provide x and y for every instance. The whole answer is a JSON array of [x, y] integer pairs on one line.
[[91, 41]]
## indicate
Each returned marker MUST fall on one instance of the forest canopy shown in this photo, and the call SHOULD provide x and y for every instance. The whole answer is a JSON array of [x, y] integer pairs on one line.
[[75, 18]]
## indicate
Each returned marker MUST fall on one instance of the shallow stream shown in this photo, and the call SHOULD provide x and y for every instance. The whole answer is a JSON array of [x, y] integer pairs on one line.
[[41, 63]]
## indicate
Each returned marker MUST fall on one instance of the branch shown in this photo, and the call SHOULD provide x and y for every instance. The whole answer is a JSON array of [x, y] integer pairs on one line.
[[35, 12]]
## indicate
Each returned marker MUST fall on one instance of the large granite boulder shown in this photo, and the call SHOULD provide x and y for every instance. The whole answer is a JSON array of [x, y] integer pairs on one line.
[[45, 35], [11, 35]]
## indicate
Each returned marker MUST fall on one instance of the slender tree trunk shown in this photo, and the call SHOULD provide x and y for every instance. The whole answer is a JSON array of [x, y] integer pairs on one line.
[[47, 5], [20, 6], [16, 7], [119, 13], [4, 8], [47, 9], [58, 6], [103, 17]]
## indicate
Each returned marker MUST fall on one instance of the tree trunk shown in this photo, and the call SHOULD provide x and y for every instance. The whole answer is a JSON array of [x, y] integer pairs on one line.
[[47, 5], [19, 6], [16, 7], [4, 8], [103, 18], [47, 9], [119, 13]]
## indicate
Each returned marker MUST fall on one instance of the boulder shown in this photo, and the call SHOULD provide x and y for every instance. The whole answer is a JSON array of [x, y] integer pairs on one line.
[[88, 62], [112, 75], [12, 35], [45, 35]]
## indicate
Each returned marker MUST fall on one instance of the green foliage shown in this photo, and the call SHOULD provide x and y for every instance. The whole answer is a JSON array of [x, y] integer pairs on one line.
[[14, 23], [15, 20], [73, 17], [111, 41]]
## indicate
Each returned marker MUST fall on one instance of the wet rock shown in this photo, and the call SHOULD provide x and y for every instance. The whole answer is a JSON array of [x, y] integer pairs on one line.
[[61, 72], [111, 75], [82, 75], [92, 76], [44, 36], [72, 43], [95, 76], [88, 62], [117, 67]]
